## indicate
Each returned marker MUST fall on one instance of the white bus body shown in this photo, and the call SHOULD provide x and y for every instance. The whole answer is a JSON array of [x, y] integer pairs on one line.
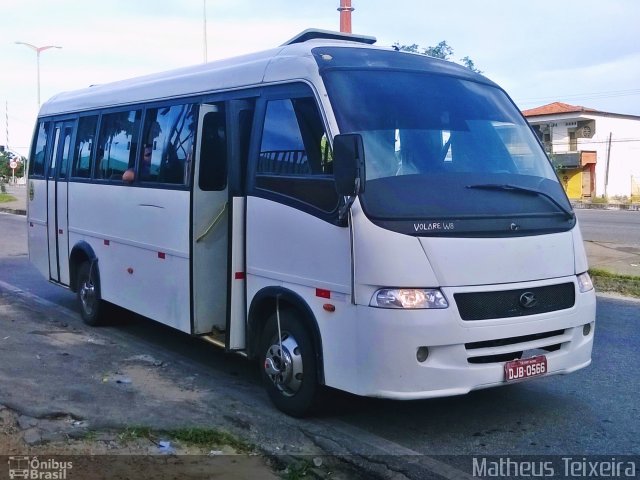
[[430, 252]]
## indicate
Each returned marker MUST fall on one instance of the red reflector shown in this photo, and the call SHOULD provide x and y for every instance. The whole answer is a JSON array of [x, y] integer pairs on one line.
[[239, 276], [320, 292], [107, 242], [329, 308], [161, 255]]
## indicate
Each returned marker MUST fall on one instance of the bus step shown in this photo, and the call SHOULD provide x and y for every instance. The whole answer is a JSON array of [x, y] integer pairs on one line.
[[216, 337]]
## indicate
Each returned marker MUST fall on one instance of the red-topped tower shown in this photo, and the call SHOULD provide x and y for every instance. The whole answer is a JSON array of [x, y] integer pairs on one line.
[[345, 10]]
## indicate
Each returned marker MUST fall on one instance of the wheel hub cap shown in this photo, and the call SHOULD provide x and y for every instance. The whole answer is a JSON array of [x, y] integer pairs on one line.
[[88, 295], [284, 366]]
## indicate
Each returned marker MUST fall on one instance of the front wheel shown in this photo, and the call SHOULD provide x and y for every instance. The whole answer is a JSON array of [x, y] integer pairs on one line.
[[88, 294], [288, 365]]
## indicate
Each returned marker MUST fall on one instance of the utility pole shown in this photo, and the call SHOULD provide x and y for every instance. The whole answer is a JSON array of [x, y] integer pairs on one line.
[[204, 18], [6, 123], [345, 10], [606, 170]]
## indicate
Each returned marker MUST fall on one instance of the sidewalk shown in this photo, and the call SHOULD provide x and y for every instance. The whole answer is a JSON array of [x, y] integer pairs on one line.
[[621, 259], [19, 206]]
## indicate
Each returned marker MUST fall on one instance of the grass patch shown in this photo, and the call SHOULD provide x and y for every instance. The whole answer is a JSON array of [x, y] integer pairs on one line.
[[130, 434], [207, 437], [5, 197], [607, 281], [199, 437], [297, 471], [90, 435]]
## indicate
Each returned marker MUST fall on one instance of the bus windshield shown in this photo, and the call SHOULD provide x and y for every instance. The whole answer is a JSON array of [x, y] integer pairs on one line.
[[438, 146]]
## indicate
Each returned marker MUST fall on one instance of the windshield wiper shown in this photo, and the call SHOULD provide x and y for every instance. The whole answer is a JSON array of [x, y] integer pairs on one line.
[[516, 188]]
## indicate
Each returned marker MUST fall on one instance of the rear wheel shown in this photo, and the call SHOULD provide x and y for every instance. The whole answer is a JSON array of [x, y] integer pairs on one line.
[[289, 366], [88, 294]]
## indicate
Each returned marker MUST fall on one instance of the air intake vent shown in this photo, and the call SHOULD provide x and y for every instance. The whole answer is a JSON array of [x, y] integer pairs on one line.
[[515, 303]]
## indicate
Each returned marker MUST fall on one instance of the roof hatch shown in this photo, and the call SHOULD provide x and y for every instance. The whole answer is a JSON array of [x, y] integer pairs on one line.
[[314, 33]]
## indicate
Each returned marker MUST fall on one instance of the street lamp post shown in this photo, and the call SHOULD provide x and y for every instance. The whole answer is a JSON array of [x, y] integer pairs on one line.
[[38, 50]]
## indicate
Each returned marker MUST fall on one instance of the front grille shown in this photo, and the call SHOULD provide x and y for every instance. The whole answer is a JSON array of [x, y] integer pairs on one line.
[[509, 303], [494, 351], [501, 342]]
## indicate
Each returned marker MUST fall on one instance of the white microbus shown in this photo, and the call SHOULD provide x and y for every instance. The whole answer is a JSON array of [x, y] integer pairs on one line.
[[355, 217]]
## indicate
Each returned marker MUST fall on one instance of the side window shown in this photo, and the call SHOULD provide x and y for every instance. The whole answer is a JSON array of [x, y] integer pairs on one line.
[[64, 161], [293, 139], [39, 151], [294, 158], [117, 144], [51, 171], [213, 151], [167, 144], [85, 143]]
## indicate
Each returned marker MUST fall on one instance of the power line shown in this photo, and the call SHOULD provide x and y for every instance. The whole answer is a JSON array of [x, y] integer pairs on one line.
[[586, 143], [583, 96]]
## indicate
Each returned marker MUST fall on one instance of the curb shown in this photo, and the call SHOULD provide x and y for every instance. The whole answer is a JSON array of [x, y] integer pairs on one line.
[[15, 211], [607, 206]]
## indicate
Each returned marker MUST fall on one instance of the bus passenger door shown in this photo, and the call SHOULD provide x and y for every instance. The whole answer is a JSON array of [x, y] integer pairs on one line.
[[57, 188], [210, 224]]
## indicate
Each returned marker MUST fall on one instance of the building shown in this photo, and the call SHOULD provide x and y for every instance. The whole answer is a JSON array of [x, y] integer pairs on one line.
[[595, 153]]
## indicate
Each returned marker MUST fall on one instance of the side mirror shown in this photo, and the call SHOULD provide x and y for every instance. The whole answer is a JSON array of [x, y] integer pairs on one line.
[[348, 164]]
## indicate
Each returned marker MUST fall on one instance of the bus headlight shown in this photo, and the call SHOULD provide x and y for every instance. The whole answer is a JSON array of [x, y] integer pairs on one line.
[[584, 282], [410, 298]]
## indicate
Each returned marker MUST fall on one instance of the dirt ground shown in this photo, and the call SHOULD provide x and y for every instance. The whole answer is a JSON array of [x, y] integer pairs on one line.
[[118, 455]]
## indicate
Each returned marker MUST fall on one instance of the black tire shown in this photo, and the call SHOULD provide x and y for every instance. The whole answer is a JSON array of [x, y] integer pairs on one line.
[[293, 389], [92, 308]]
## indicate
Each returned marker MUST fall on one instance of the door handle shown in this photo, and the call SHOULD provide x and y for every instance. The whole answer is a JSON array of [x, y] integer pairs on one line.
[[213, 224]]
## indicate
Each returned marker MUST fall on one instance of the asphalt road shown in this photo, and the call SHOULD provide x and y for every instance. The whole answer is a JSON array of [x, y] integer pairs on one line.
[[611, 226], [591, 412]]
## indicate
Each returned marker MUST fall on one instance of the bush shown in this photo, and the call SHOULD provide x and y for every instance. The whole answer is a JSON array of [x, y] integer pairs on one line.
[[600, 199], [621, 199]]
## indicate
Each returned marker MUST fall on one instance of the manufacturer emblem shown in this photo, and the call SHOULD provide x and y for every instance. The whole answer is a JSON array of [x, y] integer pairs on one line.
[[528, 300], [32, 191]]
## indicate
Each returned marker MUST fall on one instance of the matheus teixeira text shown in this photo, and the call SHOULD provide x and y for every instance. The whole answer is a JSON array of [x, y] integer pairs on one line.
[[570, 467]]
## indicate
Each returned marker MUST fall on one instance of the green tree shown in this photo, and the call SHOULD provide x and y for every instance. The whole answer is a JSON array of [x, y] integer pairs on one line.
[[442, 50], [5, 169]]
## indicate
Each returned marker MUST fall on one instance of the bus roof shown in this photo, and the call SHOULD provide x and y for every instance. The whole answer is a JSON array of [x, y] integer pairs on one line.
[[292, 60]]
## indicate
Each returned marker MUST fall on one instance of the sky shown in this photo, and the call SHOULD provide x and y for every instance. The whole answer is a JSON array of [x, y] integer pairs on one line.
[[574, 51]]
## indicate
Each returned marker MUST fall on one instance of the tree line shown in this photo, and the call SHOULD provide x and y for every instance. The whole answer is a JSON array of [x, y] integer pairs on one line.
[[442, 50]]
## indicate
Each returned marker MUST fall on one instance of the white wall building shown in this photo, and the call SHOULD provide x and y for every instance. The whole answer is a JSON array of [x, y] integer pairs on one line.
[[596, 153]]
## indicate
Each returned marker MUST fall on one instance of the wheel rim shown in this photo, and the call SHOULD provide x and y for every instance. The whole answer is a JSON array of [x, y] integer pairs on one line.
[[284, 366], [88, 296]]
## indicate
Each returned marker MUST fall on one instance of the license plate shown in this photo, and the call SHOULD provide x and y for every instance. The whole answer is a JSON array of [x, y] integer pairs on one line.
[[525, 368]]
